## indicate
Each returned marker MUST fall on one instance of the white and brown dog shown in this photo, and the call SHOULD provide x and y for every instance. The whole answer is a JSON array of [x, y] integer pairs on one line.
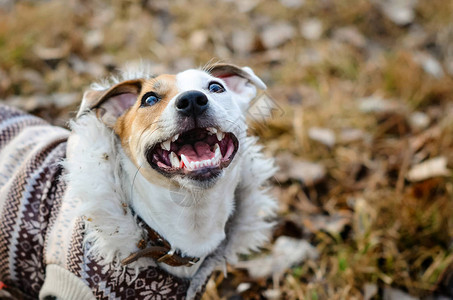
[[161, 185]]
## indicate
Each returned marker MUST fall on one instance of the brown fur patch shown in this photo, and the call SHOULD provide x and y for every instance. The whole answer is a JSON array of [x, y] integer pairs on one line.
[[141, 120]]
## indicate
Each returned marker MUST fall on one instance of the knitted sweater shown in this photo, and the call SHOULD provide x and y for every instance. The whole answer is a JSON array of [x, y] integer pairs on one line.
[[30, 194], [39, 232]]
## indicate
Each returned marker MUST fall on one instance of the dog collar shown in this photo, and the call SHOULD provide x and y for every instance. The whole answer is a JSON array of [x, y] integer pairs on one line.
[[158, 248]]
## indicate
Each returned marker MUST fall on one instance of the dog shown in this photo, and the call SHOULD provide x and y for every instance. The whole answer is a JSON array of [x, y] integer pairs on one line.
[[155, 186]]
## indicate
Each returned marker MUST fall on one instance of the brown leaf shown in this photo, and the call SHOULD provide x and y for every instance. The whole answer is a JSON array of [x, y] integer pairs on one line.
[[433, 167], [291, 167]]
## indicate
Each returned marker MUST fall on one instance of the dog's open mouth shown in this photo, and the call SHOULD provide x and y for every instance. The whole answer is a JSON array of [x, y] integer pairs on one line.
[[200, 153]]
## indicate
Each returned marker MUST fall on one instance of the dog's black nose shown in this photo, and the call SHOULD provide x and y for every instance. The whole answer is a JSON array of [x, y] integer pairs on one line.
[[192, 103]]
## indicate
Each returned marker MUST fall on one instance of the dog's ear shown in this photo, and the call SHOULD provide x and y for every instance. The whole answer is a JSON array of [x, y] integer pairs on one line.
[[110, 104], [241, 81]]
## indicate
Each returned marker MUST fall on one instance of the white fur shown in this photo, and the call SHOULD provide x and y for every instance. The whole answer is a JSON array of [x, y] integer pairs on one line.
[[215, 224], [193, 222], [96, 178]]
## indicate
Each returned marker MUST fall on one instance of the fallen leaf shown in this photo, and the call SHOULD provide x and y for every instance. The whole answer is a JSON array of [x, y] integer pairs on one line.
[[86, 67], [429, 64], [419, 120], [272, 294], [243, 41], [55, 53], [198, 39], [350, 35], [312, 29], [369, 290], [292, 3], [286, 252], [333, 224], [277, 34], [433, 167], [395, 294], [93, 39], [400, 12], [291, 167], [324, 136], [245, 6], [350, 135], [376, 104], [242, 287]]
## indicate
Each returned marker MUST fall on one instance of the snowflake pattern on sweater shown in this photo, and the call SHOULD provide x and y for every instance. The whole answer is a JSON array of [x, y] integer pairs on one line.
[[31, 193], [30, 190]]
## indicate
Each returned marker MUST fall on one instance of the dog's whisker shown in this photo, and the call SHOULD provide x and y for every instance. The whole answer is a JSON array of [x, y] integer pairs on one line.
[[133, 182], [235, 126], [182, 210], [177, 193], [146, 128], [211, 64]]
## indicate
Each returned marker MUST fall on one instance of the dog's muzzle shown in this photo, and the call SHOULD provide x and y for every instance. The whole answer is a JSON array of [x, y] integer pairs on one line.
[[200, 153]]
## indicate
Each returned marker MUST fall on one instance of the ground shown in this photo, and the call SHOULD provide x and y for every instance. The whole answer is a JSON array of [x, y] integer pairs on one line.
[[362, 128]]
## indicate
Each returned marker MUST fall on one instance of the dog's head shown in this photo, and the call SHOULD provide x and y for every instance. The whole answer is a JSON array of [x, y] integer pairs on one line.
[[186, 127]]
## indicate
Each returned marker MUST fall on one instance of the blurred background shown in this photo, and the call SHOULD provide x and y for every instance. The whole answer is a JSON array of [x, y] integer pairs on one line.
[[363, 133]]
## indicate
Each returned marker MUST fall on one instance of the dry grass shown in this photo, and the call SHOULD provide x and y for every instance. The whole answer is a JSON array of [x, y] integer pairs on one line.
[[397, 232]]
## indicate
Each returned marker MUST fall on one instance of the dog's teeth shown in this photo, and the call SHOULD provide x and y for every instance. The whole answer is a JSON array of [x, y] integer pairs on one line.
[[211, 130], [166, 145], [217, 153], [230, 150], [220, 135], [174, 160], [185, 160], [174, 138], [195, 165]]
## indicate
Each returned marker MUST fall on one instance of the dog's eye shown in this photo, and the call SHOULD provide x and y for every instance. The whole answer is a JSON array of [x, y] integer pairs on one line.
[[150, 99], [215, 87]]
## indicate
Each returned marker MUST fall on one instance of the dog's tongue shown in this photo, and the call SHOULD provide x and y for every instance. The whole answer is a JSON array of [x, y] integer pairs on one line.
[[197, 152]]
